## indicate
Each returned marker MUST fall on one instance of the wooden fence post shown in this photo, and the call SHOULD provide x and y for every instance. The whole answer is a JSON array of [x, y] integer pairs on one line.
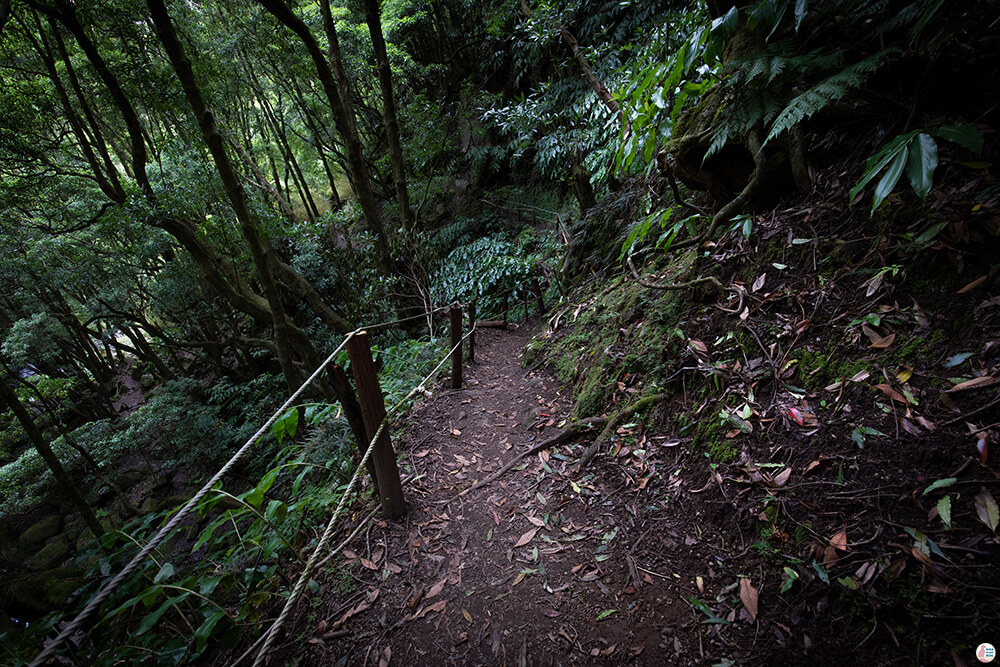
[[472, 335], [355, 417], [373, 409], [456, 339]]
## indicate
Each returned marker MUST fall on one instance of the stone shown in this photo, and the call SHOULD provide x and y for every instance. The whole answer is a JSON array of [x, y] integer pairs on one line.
[[52, 555], [41, 531]]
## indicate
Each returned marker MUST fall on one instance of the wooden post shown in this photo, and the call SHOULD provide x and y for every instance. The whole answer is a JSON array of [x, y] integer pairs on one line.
[[536, 287], [456, 339], [355, 417], [373, 409], [472, 336]]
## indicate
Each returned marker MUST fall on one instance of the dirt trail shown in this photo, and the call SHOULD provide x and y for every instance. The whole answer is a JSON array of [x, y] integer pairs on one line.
[[540, 567]]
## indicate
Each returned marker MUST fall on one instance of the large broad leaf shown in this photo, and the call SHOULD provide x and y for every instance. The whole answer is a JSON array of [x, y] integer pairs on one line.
[[801, 7], [965, 136], [922, 161], [889, 180], [876, 163]]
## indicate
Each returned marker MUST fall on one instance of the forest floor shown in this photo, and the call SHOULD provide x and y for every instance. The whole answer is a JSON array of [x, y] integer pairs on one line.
[[540, 566], [822, 542]]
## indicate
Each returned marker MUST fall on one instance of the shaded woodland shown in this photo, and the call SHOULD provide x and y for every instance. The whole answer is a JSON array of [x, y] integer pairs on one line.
[[755, 245]]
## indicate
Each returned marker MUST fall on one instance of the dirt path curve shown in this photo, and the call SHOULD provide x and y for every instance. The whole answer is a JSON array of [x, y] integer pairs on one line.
[[539, 567]]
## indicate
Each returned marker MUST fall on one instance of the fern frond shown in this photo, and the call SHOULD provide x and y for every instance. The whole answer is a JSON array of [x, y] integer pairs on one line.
[[830, 89]]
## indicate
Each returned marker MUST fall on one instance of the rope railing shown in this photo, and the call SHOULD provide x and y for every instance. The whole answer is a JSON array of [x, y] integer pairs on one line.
[[108, 588], [303, 579]]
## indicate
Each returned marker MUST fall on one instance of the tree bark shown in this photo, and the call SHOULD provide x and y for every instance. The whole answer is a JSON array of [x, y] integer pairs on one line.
[[389, 113]]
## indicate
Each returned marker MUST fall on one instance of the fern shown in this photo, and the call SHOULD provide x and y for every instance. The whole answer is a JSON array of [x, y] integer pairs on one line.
[[830, 89]]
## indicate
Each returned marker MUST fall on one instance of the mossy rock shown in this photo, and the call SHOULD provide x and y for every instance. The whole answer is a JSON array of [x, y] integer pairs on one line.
[[50, 556], [41, 531], [42, 592]]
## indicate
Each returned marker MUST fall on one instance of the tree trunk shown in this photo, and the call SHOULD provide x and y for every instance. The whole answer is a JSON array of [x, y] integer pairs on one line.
[[50, 458], [389, 114], [206, 121]]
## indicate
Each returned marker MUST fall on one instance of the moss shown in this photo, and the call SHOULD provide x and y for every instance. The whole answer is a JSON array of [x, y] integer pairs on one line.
[[41, 531], [818, 369], [42, 592], [592, 393], [50, 556], [710, 436]]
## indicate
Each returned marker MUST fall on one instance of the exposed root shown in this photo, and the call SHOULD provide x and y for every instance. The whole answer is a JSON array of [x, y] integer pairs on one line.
[[570, 432], [612, 423]]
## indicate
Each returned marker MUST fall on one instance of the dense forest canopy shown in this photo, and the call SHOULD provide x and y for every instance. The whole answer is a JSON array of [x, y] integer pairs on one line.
[[198, 200]]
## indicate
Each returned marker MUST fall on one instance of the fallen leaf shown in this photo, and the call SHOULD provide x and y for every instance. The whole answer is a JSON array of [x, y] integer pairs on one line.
[[883, 343], [782, 477], [860, 376], [757, 284], [839, 541], [535, 521], [467, 615], [436, 589], [455, 432], [437, 606], [974, 284], [550, 613], [891, 393], [356, 609], [983, 381], [527, 537], [811, 466], [385, 657], [982, 446], [699, 581], [697, 345], [748, 594], [368, 564], [987, 510]]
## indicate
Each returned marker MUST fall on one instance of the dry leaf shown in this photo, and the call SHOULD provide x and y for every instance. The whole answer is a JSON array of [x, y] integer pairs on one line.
[[987, 510], [757, 284], [891, 393], [984, 381], [973, 285], [527, 537], [437, 606], [839, 541], [385, 657], [860, 376], [748, 594], [782, 477], [535, 521], [435, 589], [811, 466], [368, 564], [455, 432], [883, 343], [697, 346]]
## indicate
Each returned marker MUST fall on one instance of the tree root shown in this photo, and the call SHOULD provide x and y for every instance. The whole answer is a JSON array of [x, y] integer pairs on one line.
[[570, 432], [611, 424]]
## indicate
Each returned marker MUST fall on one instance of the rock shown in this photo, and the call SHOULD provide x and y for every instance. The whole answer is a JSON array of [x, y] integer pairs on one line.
[[52, 555], [41, 531], [41, 592]]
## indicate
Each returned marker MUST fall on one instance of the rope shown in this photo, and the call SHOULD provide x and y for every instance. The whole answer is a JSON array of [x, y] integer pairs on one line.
[[76, 624], [328, 532]]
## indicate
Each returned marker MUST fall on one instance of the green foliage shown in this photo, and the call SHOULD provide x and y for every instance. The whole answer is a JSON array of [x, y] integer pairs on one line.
[[917, 153], [482, 270]]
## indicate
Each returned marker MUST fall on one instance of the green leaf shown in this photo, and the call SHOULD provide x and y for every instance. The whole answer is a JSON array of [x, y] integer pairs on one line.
[[821, 572], [151, 619], [922, 161], [801, 7], [889, 180], [604, 614], [944, 510], [877, 162], [957, 360], [940, 484], [166, 571], [965, 136], [204, 631]]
